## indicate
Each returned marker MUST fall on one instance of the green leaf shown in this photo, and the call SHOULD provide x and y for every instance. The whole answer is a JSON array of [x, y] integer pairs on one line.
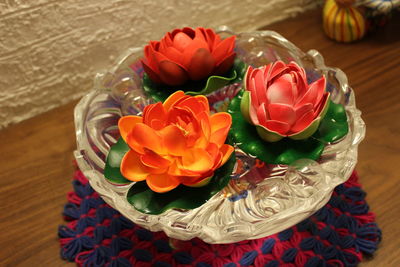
[[113, 162], [161, 92], [332, 128], [143, 199]]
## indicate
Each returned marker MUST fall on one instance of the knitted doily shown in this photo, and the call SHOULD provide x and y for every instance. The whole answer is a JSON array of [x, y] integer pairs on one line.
[[339, 234]]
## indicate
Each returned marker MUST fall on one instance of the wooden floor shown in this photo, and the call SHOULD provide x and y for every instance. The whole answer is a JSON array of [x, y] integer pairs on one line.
[[36, 155]]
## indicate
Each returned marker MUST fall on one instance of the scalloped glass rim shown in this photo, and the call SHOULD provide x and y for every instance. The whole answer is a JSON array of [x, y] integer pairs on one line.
[[289, 195]]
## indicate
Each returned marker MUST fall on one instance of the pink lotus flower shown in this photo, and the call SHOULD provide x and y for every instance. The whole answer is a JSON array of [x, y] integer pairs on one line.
[[280, 103], [188, 54]]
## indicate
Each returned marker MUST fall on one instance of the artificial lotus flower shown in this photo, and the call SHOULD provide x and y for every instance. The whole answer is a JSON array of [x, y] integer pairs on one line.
[[175, 142], [188, 54], [280, 103]]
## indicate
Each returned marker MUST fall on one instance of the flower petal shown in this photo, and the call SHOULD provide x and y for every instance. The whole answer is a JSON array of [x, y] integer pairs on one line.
[[301, 110], [247, 78], [268, 135], [197, 160], [277, 126], [314, 94], [171, 73], [162, 182], [320, 88], [303, 122], [173, 140], [173, 99], [143, 136], [225, 65], [223, 48], [282, 112], [153, 160], [126, 124], [173, 54], [220, 124], [181, 41], [151, 73], [277, 68], [262, 114], [281, 90], [226, 151], [155, 116], [132, 168], [201, 64]]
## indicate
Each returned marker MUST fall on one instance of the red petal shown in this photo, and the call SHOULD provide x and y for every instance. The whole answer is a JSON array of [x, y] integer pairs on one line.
[[277, 126], [181, 41], [173, 54], [282, 112], [223, 48], [225, 65], [281, 91], [201, 65], [192, 49], [152, 74], [172, 73], [303, 122], [132, 168], [150, 59], [162, 182], [126, 124]]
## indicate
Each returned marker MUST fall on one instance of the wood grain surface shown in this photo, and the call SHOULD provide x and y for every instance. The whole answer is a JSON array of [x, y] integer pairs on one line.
[[36, 161]]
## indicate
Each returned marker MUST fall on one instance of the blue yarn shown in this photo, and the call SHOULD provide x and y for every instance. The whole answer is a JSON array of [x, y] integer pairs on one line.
[[231, 264], [98, 257], [162, 246], [318, 247], [315, 262], [273, 263], [100, 233], [346, 241], [368, 238], [143, 234], [267, 246], [143, 255], [82, 190], [76, 245], [119, 244], [65, 232], [329, 252], [203, 264], [84, 222], [285, 235], [308, 243], [289, 255], [120, 262], [71, 210], [248, 258], [162, 264], [359, 209], [355, 193], [349, 259], [183, 257]]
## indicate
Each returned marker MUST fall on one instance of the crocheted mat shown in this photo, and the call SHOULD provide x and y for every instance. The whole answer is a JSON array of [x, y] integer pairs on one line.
[[339, 234]]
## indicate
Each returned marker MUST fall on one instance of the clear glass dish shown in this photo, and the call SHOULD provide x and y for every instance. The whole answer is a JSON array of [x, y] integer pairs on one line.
[[258, 201]]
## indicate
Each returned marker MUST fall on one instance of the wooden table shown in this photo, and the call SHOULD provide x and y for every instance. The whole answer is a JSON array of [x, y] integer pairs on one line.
[[36, 155]]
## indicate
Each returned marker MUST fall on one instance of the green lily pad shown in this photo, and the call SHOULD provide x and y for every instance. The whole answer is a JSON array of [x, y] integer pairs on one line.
[[113, 162], [147, 201], [161, 92], [333, 127]]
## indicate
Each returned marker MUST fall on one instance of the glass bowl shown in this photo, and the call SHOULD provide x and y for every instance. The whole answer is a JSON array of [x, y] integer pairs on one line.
[[261, 199]]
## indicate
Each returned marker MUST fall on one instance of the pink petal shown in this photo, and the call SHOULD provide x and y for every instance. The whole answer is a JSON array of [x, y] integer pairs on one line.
[[310, 96], [281, 91], [201, 65], [266, 71], [253, 110], [223, 48], [259, 83], [262, 114], [303, 122], [282, 112], [320, 88], [300, 111], [248, 76], [277, 68], [321, 104], [277, 126]]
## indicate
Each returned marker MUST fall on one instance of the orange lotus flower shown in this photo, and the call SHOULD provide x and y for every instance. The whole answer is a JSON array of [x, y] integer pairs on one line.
[[188, 54], [175, 142]]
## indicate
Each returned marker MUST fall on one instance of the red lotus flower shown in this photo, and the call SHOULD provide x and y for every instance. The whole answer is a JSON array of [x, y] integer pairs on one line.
[[280, 103], [175, 142], [187, 54]]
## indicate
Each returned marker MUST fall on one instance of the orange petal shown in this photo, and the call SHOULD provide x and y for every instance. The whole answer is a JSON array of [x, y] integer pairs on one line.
[[132, 168], [153, 160], [195, 104], [173, 140], [126, 124], [220, 124], [162, 182], [197, 160], [226, 151], [154, 115], [143, 136], [173, 99]]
